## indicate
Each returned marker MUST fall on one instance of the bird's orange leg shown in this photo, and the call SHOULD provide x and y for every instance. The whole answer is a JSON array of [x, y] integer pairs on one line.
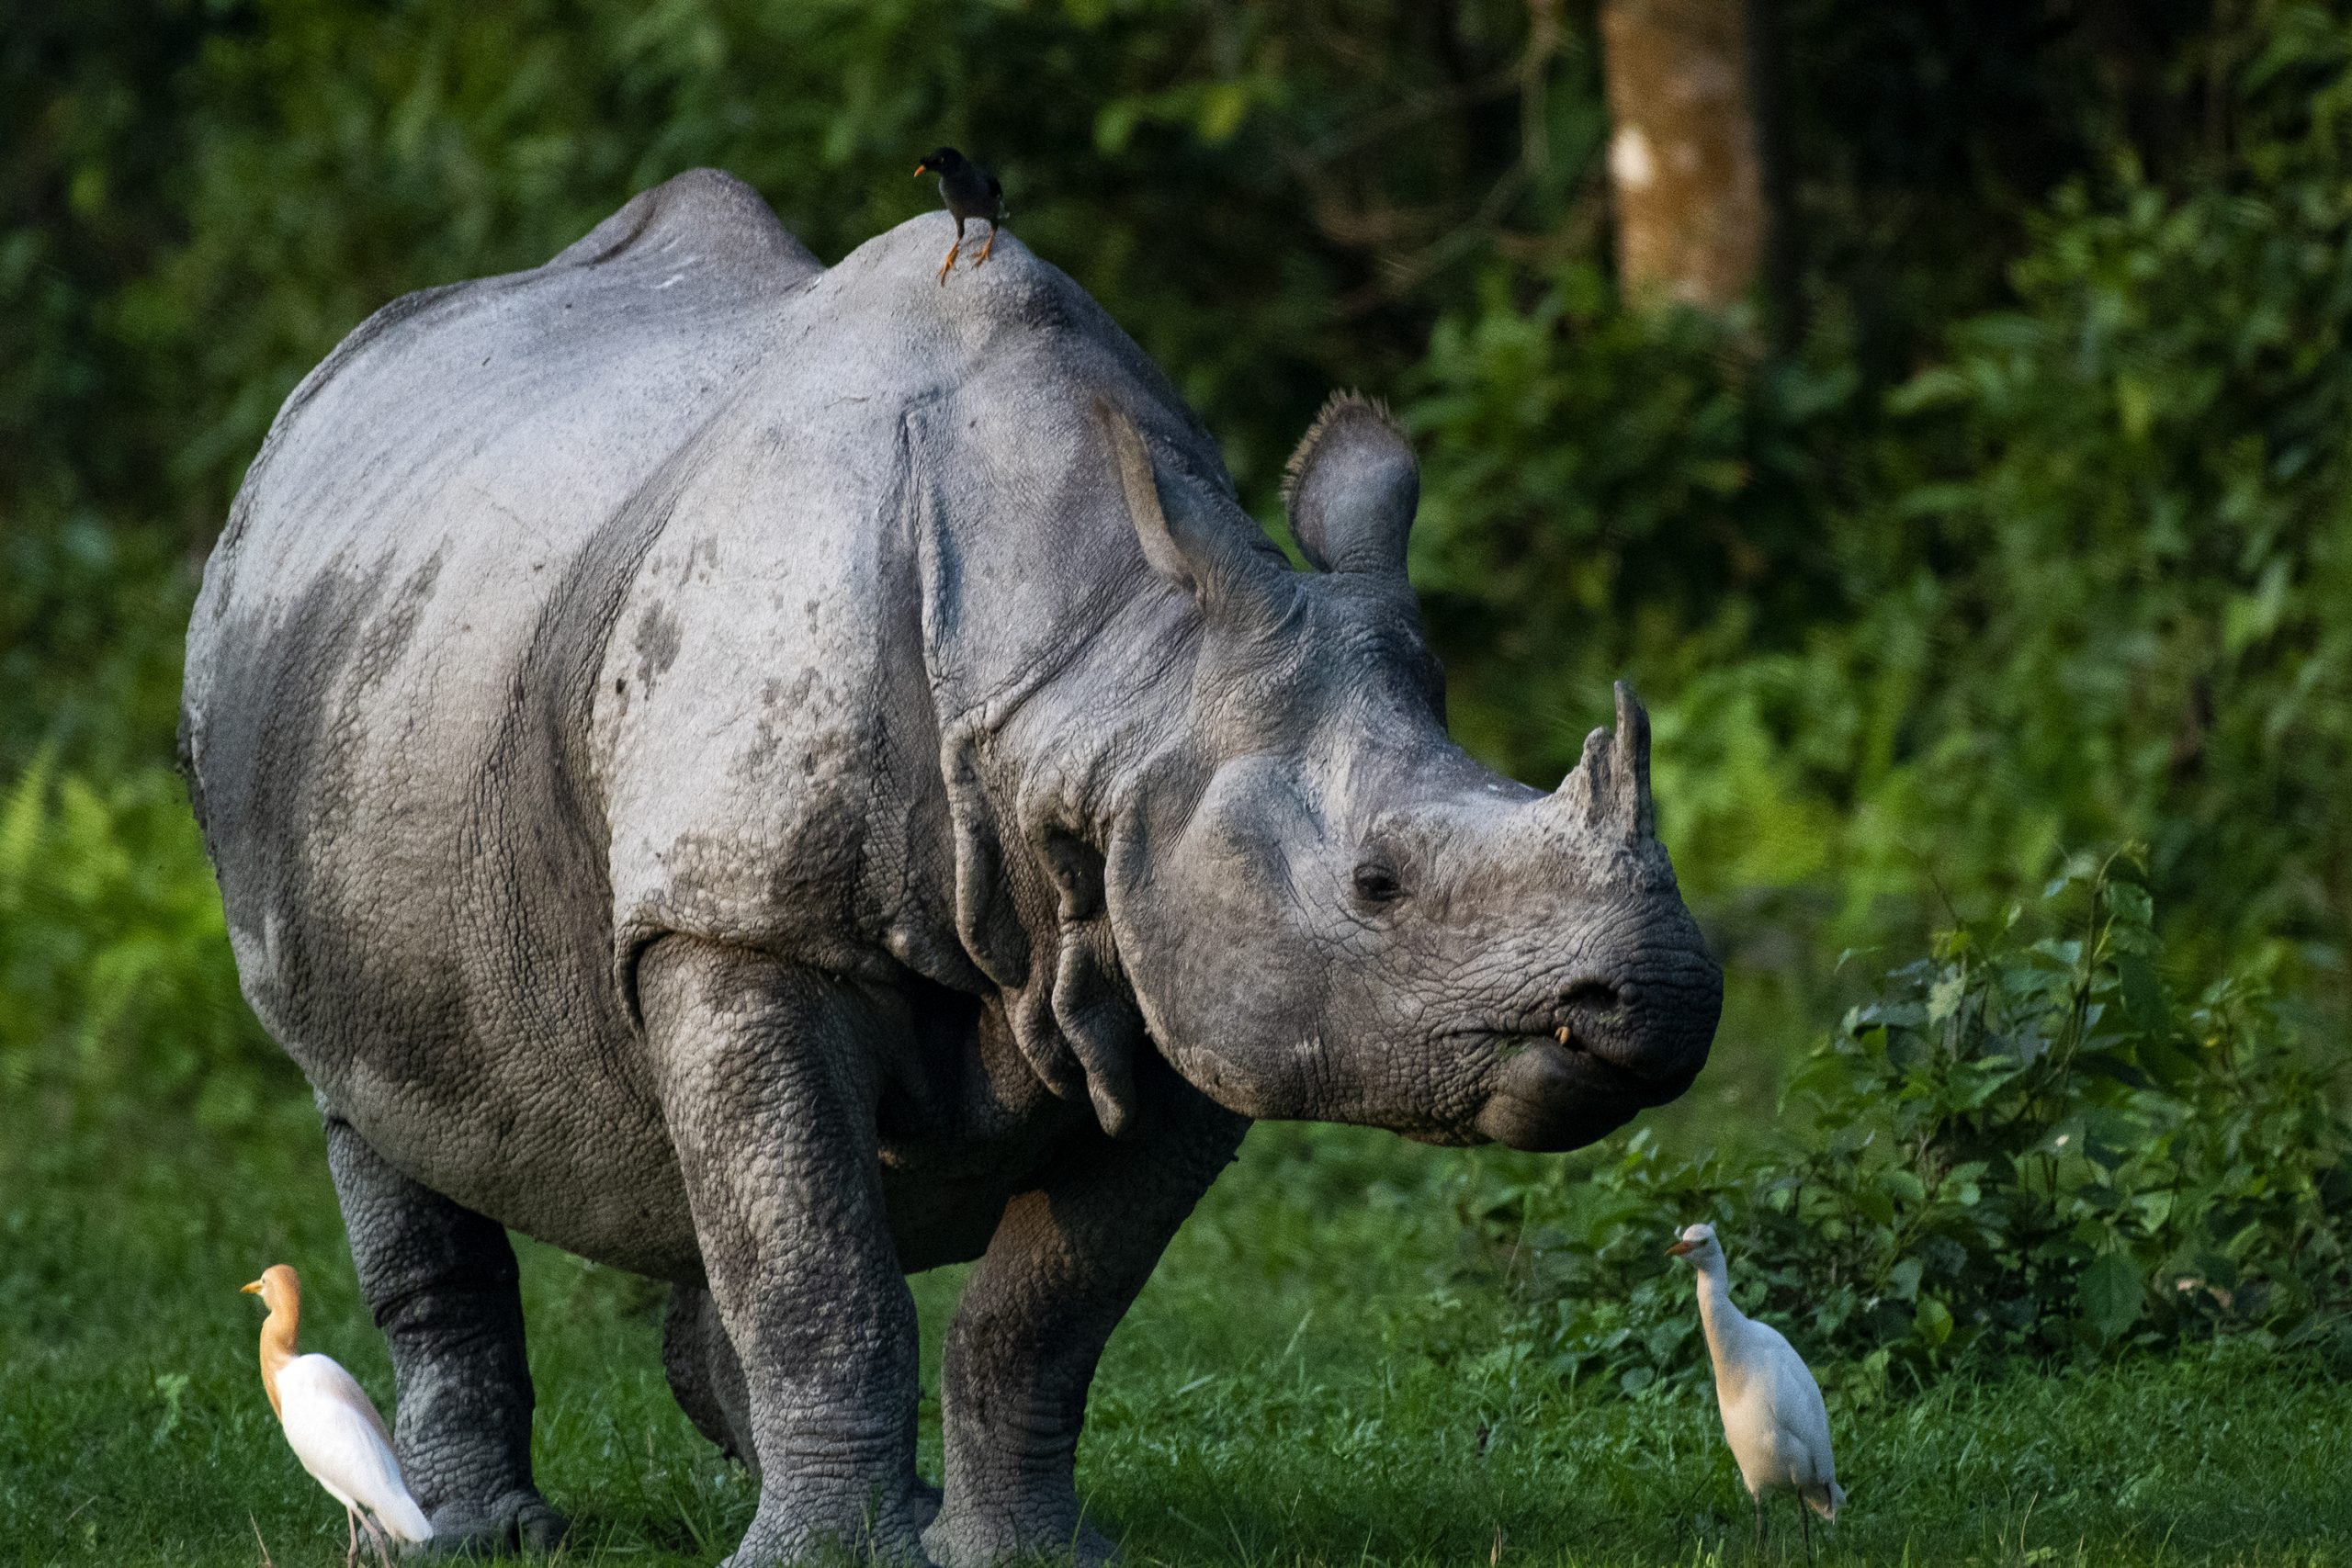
[[986, 250], [951, 253]]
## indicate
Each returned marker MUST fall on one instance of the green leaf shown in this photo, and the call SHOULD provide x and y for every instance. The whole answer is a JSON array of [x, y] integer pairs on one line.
[[1902, 1186], [1932, 1321], [2112, 1293], [2143, 995], [2129, 904], [1223, 110], [1944, 997]]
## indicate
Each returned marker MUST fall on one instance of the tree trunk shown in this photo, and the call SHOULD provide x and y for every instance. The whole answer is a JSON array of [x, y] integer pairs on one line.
[[1687, 152]]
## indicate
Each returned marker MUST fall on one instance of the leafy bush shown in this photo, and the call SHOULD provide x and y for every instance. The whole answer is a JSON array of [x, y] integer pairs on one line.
[[117, 987], [2024, 1147], [2077, 580]]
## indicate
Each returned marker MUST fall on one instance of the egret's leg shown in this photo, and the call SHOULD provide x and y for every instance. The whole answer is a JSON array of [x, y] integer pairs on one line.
[[1758, 1499], [375, 1540], [442, 1282], [988, 250], [351, 1525], [1805, 1519]]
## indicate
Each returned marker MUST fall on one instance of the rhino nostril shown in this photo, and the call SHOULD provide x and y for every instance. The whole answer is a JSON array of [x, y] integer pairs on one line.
[[1588, 999]]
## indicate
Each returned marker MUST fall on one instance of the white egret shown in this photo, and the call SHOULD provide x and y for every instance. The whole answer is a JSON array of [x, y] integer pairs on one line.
[[1774, 1417], [332, 1426]]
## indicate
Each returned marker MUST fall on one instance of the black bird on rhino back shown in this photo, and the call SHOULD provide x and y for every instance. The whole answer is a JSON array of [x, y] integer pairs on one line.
[[969, 192], [774, 778]]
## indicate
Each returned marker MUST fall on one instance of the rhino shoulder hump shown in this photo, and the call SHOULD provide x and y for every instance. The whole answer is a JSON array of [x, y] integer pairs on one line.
[[707, 212]]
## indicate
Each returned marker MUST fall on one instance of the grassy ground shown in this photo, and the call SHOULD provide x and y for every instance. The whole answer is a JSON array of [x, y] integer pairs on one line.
[[1308, 1379]]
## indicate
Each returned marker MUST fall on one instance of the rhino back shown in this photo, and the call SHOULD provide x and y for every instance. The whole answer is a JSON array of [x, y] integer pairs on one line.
[[393, 637]]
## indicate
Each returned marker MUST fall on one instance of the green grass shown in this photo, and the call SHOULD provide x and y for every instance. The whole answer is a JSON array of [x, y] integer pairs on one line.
[[1310, 1379]]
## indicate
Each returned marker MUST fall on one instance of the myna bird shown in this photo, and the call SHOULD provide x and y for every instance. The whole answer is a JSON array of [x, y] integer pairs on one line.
[[332, 1424], [970, 192]]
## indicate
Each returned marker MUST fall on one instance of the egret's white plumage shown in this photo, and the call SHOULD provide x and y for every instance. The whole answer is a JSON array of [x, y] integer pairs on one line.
[[331, 1423], [1773, 1417]]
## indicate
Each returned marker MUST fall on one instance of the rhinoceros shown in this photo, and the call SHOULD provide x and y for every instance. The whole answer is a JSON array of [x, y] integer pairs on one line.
[[774, 777]]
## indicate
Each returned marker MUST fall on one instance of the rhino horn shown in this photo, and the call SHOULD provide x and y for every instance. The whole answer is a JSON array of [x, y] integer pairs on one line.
[[1630, 766], [1610, 786]]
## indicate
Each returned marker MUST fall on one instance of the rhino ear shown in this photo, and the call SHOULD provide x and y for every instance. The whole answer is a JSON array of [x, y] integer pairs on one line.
[[1351, 488], [1216, 552]]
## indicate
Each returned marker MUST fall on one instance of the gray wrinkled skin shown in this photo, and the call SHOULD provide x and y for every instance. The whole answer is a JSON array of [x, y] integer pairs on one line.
[[774, 778]]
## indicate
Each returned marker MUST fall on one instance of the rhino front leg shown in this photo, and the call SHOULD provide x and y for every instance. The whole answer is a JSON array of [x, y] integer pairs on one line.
[[768, 1077], [1062, 1268], [442, 1282]]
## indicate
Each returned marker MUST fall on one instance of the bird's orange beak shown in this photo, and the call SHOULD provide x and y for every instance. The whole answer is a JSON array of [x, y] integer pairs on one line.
[[1680, 1250], [252, 1290], [921, 169]]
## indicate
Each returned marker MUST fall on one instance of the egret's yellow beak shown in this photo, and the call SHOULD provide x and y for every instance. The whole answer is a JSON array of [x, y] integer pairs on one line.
[[252, 1290], [1680, 1250]]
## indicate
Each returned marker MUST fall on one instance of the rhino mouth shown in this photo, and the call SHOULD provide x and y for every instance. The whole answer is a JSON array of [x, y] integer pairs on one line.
[[1563, 1087]]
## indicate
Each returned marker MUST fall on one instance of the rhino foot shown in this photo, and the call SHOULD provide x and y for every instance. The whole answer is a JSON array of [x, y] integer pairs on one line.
[[976, 1540], [777, 1539], [519, 1521]]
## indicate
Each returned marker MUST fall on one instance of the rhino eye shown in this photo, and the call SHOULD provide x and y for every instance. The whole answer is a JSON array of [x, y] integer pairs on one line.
[[1376, 883]]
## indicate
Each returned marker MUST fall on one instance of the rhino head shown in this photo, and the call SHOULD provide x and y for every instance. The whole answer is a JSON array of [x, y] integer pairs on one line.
[[1325, 908]]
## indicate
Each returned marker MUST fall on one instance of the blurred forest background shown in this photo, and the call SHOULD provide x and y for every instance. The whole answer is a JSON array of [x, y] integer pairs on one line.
[[2007, 520]]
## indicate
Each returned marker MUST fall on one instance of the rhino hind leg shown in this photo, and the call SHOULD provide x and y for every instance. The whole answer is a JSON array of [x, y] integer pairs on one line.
[[1063, 1265], [442, 1283]]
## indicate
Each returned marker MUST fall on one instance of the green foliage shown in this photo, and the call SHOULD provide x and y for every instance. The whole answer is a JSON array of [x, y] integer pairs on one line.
[[2150, 486], [116, 991], [2023, 1146], [2078, 580], [1604, 488]]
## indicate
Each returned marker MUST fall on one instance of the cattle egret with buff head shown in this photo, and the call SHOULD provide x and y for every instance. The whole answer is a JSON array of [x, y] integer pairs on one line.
[[1774, 1417], [332, 1426]]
